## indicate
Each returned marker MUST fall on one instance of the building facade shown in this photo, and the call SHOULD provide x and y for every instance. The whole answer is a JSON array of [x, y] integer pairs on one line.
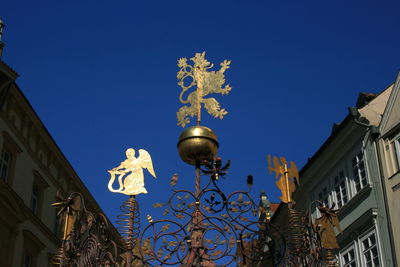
[[346, 172], [389, 155], [32, 170]]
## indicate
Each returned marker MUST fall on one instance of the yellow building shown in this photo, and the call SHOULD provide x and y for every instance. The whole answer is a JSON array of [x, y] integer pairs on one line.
[[32, 170]]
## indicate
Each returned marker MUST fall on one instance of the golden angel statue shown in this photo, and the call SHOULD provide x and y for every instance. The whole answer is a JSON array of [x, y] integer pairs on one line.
[[130, 173], [206, 82], [288, 177]]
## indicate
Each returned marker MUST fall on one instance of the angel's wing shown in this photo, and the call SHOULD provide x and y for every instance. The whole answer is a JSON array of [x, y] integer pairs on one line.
[[276, 166], [145, 161]]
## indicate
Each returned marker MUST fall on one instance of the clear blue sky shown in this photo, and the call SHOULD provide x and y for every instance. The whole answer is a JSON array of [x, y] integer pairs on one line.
[[102, 77]]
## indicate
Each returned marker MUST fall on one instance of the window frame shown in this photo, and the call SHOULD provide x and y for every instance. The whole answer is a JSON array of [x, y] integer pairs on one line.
[[358, 247], [35, 199], [30, 259], [346, 251], [391, 151], [11, 147], [5, 164], [341, 170], [39, 186], [396, 152], [32, 247], [355, 191], [326, 184], [57, 226], [364, 237], [345, 165], [327, 196]]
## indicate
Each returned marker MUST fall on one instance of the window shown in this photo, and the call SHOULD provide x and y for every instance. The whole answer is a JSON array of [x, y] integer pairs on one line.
[[32, 247], [363, 251], [38, 190], [359, 174], [27, 260], [5, 164], [323, 195], [392, 154], [8, 157], [348, 258], [56, 226], [396, 144], [343, 181], [370, 250], [35, 199], [340, 189]]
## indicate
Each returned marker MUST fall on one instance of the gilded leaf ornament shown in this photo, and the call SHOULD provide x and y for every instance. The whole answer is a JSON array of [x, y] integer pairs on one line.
[[286, 175], [129, 173], [69, 207], [325, 227], [206, 82]]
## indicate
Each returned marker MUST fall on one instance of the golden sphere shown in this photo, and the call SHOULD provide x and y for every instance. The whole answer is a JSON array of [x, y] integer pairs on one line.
[[196, 144]]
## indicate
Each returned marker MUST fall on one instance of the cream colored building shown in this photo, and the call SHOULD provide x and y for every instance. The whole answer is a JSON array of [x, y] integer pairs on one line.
[[389, 154], [32, 170]]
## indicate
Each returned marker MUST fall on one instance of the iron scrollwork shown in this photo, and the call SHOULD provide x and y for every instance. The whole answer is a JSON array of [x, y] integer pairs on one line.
[[210, 228], [86, 239]]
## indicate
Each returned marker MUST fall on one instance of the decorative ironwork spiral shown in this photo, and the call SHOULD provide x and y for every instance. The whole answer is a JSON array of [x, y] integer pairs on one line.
[[330, 259], [89, 252], [129, 222], [295, 233], [304, 248], [58, 257]]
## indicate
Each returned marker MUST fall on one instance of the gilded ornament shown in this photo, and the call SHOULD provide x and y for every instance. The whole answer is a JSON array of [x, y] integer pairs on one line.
[[206, 82], [288, 176], [130, 173], [325, 227], [197, 144]]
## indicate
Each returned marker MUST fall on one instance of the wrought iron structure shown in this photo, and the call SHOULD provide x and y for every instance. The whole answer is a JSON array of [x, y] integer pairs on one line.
[[206, 226], [86, 240], [210, 228], [311, 242]]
